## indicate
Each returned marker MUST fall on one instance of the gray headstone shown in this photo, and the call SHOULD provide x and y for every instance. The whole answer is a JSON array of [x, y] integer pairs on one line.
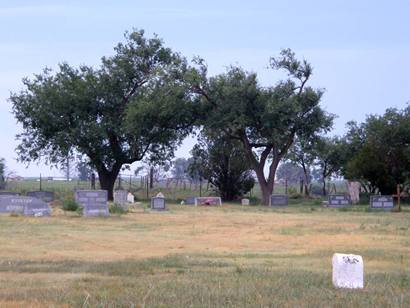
[[208, 201], [28, 206], [381, 202], [190, 201], [338, 200], [46, 196], [120, 197], [279, 200], [8, 193], [93, 202], [158, 203]]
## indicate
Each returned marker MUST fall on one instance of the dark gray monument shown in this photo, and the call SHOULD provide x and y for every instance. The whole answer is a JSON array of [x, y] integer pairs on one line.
[[190, 201], [208, 201], [46, 196], [120, 197], [28, 206], [158, 203], [338, 200], [381, 202], [279, 200], [93, 202]]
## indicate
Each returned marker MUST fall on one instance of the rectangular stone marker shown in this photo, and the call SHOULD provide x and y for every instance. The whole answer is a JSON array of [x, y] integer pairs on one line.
[[381, 202], [46, 196], [120, 197], [8, 193], [209, 201], [277, 200], [347, 271], [245, 201], [340, 200], [158, 203], [94, 202], [190, 201], [28, 206], [130, 198]]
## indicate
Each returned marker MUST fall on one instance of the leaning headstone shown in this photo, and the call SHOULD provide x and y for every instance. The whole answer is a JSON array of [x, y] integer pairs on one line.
[[190, 201], [338, 200], [158, 203], [208, 201], [8, 193], [46, 196], [93, 202], [381, 202], [28, 206], [278, 200], [130, 198], [120, 197], [347, 271], [245, 201]]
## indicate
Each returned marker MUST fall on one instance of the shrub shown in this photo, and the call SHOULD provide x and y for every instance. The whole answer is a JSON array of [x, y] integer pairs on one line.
[[117, 209], [70, 205]]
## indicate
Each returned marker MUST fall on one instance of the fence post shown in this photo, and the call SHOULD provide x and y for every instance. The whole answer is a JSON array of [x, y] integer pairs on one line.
[[40, 183]]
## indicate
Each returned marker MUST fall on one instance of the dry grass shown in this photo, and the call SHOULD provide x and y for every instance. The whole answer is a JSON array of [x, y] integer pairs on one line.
[[228, 256]]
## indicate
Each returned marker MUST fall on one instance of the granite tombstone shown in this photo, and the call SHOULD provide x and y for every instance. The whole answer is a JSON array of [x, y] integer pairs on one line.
[[28, 206], [158, 203], [93, 202], [190, 200], [120, 197], [208, 201], [279, 200], [381, 202], [338, 200]]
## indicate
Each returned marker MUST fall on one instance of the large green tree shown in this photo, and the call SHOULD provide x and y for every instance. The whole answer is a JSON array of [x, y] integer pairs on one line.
[[134, 106], [265, 120]]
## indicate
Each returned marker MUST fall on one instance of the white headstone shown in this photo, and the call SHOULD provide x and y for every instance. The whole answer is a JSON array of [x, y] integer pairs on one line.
[[160, 195], [245, 201], [130, 198], [347, 271]]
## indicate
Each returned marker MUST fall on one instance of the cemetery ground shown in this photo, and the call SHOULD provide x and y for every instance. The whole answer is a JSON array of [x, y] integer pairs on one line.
[[204, 256]]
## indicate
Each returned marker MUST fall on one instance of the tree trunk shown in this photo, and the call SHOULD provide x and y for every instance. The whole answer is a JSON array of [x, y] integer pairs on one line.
[[151, 178], [324, 186], [266, 186], [107, 181]]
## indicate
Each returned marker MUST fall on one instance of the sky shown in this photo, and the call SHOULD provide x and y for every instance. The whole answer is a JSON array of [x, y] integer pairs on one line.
[[359, 49]]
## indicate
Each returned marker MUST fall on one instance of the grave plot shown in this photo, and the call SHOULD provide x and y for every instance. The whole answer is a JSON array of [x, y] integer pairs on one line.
[[208, 201], [381, 202], [338, 200], [93, 202], [279, 200], [158, 204]]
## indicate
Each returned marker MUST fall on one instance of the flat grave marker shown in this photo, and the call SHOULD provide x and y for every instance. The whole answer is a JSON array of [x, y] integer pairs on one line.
[[46, 196], [279, 200], [94, 202], [347, 271], [158, 203], [338, 200], [208, 201], [381, 202]]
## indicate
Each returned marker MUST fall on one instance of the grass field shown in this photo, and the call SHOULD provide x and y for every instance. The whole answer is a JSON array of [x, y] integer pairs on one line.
[[193, 257]]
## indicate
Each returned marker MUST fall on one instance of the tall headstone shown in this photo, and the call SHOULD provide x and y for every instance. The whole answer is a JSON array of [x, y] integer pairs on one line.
[[279, 200], [158, 203], [348, 271], [120, 197], [28, 206], [46, 196], [208, 201], [93, 202], [338, 200], [381, 202]]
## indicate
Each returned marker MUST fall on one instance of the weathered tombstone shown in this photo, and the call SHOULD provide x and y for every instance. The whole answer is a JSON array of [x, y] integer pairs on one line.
[[8, 193], [338, 200], [94, 202], [354, 191], [381, 202], [209, 201], [158, 203], [190, 201], [278, 200], [120, 197], [347, 271], [28, 206], [130, 198], [245, 201], [160, 195], [46, 196]]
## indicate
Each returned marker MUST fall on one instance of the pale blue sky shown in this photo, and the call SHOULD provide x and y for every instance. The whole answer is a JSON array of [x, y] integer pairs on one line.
[[359, 49]]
